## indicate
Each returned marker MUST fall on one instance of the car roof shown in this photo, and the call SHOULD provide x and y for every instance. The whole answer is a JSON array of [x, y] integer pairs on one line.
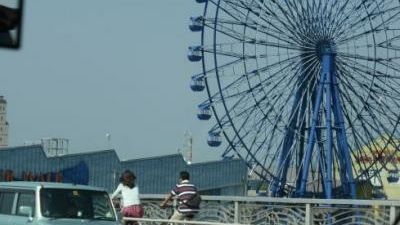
[[35, 184]]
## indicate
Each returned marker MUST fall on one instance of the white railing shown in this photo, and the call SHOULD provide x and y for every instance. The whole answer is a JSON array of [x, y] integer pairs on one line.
[[217, 210]]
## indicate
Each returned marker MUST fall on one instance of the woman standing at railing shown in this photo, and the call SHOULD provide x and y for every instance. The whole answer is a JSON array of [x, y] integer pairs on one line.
[[131, 206]]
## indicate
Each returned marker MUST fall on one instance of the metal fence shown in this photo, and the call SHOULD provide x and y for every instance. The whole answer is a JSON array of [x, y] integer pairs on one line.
[[277, 211]]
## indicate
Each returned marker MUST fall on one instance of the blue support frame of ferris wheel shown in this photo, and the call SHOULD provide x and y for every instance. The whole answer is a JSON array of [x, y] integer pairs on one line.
[[277, 184], [328, 85]]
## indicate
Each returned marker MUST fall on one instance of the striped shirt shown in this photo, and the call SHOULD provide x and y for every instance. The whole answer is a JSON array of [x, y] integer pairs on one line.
[[184, 191]]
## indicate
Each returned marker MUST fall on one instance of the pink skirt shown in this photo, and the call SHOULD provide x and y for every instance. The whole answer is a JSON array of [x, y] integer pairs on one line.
[[136, 211]]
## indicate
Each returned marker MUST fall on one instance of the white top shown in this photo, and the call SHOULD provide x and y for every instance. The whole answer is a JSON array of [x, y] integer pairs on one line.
[[130, 196]]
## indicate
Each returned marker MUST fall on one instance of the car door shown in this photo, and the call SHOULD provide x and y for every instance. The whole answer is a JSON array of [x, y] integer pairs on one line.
[[24, 209], [7, 199]]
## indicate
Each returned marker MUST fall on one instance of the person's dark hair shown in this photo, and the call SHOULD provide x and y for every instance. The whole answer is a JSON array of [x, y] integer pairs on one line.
[[128, 178], [184, 175]]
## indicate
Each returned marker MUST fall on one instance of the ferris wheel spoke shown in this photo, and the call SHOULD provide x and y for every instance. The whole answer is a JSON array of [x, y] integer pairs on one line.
[[348, 35], [383, 27], [286, 157], [221, 52], [253, 24], [260, 85], [358, 57], [312, 18], [231, 96], [348, 77], [274, 80], [267, 114], [365, 6], [245, 112], [233, 85], [383, 62], [363, 70], [360, 30], [342, 15], [359, 142], [217, 99], [251, 157], [285, 63], [266, 142], [240, 4], [391, 19], [271, 29], [253, 131], [262, 42], [281, 38], [292, 17], [389, 43], [388, 62], [223, 28], [229, 64], [294, 12], [366, 108], [373, 124], [255, 128], [282, 19], [361, 132], [380, 23], [223, 124], [380, 108], [349, 85], [353, 74], [361, 136], [231, 118], [242, 106], [244, 38], [361, 167], [309, 18], [328, 21], [366, 126]]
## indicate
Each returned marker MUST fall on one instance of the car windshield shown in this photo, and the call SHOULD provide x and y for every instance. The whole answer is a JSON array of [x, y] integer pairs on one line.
[[75, 203]]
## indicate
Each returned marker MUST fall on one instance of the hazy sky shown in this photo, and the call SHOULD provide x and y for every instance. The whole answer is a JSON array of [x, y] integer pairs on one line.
[[92, 67]]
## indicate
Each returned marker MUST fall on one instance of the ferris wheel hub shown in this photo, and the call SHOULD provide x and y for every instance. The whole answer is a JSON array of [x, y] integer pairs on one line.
[[325, 48]]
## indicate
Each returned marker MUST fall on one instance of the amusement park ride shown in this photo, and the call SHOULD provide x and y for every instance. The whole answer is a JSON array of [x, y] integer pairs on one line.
[[302, 90]]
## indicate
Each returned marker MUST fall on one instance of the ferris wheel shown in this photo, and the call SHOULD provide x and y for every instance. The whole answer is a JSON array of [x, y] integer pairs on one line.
[[302, 90]]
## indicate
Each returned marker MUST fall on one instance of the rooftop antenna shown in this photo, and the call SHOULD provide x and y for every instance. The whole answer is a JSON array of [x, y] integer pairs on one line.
[[186, 149], [108, 139]]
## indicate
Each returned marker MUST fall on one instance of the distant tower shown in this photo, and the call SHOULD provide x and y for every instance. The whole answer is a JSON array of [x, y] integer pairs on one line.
[[186, 149], [3, 123]]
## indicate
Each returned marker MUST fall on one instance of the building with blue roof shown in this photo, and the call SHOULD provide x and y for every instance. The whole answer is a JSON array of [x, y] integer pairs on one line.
[[155, 175]]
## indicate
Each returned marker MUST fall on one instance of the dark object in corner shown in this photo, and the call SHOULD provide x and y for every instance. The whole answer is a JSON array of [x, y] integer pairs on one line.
[[9, 18], [10, 24]]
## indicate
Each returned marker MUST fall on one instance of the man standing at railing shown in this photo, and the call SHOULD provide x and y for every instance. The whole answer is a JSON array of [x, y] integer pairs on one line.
[[184, 191]]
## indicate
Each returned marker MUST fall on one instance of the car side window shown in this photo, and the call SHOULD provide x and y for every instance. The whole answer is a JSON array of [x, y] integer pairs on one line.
[[26, 204], [6, 202]]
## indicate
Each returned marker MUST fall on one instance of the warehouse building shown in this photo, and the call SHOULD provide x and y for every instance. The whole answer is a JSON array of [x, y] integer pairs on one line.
[[155, 175]]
